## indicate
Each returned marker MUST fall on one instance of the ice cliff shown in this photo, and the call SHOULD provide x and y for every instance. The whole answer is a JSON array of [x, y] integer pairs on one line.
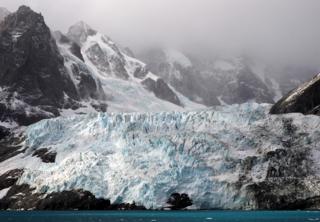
[[229, 157]]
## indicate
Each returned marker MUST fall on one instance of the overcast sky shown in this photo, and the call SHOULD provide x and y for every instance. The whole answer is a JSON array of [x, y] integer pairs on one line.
[[277, 28]]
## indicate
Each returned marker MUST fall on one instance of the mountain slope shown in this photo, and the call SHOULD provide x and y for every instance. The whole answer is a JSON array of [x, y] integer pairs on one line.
[[304, 99], [229, 157], [212, 79], [84, 71], [124, 78], [35, 84]]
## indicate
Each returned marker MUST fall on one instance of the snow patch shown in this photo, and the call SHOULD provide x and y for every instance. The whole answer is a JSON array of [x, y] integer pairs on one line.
[[4, 192]]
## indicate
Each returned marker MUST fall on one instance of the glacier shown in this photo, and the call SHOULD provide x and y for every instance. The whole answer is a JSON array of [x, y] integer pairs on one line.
[[216, 155]]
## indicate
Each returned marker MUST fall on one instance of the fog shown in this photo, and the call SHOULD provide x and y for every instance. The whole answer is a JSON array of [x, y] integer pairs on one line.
[[284, 30]]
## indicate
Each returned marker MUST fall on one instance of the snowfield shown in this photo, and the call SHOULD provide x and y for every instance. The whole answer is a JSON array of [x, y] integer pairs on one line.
[[146, 157]]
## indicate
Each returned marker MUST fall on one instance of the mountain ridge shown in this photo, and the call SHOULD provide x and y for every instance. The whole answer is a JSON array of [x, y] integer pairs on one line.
[[304, 99], [47, 74]]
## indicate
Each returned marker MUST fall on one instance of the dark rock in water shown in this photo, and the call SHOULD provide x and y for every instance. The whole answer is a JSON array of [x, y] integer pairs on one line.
[[10, 178], [179, 201], [161, 90], [70, 200], [80, 200], [305, 99], [45, 155], [126, 206], [19, 197], [23, 197]]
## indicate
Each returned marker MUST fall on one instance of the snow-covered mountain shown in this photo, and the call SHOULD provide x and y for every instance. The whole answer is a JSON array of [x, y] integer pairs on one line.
[[84, 71], [34, 81], [304, 99], [109, 129], [228, 157], [124, 78], [213, 79]]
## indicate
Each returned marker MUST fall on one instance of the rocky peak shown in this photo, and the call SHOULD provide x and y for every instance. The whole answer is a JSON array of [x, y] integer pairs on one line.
[[304, 99], [25, 19], [80, 31], [31, 68]]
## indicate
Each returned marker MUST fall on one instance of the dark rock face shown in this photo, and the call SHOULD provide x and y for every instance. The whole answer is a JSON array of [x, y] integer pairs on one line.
[[35, 83], [10, 178], [22, 197], [112, 61], [10, 146], [45, 155], [161, 90], [31, 68], [179, 201], [107, 64], [70, 200], [287, 185], [305, 99], [88, 87], [4, 132], [19, 197]]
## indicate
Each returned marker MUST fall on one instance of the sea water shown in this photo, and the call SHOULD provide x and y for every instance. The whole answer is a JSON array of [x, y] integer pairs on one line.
[[159, 216]]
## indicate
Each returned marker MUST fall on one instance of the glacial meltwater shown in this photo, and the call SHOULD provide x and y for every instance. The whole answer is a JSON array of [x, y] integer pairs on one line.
[[159, 216]]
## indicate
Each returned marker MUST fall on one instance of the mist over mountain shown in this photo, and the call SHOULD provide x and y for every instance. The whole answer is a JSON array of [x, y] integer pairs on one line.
[[284, 32]]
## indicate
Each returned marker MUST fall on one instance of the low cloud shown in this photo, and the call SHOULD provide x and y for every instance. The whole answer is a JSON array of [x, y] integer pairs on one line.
[[283, 30]]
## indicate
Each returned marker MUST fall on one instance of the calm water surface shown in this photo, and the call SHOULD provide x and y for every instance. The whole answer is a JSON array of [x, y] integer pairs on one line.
[[162, 216]]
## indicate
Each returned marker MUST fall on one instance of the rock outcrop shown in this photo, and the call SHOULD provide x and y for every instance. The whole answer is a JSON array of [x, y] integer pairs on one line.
[[161, 90], [304, 99]]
